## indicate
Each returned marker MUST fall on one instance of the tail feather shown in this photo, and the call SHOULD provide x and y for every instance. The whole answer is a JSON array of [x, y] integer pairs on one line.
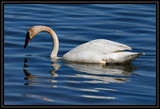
[[133, 57], [121, 57], [137, 55]]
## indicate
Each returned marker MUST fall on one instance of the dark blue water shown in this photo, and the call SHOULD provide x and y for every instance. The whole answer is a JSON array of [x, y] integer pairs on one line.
[[32, 78]]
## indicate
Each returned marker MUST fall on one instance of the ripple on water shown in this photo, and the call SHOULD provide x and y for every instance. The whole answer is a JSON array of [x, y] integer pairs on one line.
[[32, 78]]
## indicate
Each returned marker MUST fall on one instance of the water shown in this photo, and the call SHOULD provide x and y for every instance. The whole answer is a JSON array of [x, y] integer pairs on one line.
[[32, 78]]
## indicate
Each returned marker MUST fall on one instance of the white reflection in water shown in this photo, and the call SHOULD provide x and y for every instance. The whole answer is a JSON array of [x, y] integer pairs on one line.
[[105, 89], [102, 79], [91, 73], [100, 97], [98, 73], [81, 89], [112, 69]]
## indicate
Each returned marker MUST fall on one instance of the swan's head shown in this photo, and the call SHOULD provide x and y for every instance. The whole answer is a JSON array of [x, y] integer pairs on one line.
[[33, 31]]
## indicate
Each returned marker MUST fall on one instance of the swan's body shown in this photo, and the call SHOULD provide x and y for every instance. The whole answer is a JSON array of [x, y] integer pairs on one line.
[[95, 51]]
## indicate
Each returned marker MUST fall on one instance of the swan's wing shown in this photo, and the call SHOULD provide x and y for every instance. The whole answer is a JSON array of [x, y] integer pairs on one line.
[[103, 46], [94, 51]]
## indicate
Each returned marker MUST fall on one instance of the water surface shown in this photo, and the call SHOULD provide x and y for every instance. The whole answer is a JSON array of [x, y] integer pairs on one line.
[[32, 78]]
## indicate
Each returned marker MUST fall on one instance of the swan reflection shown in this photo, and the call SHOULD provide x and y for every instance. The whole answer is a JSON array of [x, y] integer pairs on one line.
[[37, 80], [94, 73], [100, 73], [112, 69], [97, 77]]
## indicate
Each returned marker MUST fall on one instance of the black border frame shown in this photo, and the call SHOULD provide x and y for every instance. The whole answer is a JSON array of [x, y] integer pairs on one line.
[[80, 2]]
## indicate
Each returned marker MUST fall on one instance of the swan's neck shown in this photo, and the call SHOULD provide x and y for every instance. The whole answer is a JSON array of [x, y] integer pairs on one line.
[[55, 44], [55, 41]]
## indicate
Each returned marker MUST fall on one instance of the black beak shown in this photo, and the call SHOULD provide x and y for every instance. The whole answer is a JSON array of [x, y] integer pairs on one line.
[[27, 40]]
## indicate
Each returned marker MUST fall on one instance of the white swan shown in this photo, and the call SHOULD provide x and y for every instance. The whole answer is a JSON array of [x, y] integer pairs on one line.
[[96, 51]]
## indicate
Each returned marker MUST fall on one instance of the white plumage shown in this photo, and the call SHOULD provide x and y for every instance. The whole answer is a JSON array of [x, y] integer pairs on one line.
[[100, 51]]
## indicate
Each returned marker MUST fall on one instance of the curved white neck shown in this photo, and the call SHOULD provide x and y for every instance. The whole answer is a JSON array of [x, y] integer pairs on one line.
[[55, 44], [34, 30], [55, 40]]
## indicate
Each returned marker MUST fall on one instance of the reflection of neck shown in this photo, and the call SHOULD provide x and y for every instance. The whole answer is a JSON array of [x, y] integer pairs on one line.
[[55, 67]]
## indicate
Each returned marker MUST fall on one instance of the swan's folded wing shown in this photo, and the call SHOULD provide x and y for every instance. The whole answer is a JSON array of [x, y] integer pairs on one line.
[[104, 46], [94, 51]]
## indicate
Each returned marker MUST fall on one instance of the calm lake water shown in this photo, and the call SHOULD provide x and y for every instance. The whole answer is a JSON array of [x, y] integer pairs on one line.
[[32, 78]]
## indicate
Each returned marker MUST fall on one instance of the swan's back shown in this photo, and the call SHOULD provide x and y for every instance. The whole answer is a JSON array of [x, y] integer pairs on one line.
[[95, 51]]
